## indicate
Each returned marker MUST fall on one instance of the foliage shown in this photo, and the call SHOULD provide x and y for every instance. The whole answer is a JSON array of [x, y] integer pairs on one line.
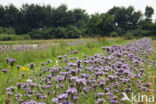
[[140, 32], [8, 37], [101, 24], [149, 11], [80, 75], [128, 36], [114, 34], [45, 22], [57, 32], [23, 58], [73, 32], [126, 18], [7, 30]]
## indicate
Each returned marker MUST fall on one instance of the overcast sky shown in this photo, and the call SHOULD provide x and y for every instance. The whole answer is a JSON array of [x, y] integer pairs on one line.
[[91, 6]]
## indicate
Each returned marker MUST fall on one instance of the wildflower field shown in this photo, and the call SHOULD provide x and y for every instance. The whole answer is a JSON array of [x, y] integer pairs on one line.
[[95, 71]]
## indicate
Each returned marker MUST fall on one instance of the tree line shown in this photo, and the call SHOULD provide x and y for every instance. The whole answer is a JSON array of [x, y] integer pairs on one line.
[[45, 22]]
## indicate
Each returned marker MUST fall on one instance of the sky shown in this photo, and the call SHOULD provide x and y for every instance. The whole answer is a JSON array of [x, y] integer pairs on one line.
[[91, 6]]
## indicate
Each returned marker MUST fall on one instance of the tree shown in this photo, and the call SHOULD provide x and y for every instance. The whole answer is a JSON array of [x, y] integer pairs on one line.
[[146, 24], [2, 11], [126, 18], [149, 11], [101, 24], [34, 15], [9, 16], [58, 16], [78, 17]]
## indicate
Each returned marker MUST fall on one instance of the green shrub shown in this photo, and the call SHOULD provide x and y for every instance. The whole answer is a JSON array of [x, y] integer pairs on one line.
[[120, 31], [139, 32], [114, 34], [60, 32], [9, 30], [36, 34], [7, 37], [73, 32], [24, 37], [128, 36], [47, 33], [57, 32]]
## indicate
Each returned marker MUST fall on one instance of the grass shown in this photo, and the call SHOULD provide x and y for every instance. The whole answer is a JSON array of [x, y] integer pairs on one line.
[[39, 55], [50, 41], [24, 58], [152, 71]]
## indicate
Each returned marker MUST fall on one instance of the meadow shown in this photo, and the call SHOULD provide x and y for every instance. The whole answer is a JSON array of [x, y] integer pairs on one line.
[[77, 71]]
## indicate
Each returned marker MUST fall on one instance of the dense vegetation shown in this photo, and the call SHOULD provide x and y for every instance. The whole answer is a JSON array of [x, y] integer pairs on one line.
[[97, 73], [45, 22]]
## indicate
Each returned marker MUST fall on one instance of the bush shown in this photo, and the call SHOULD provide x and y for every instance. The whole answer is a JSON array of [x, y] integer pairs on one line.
[[7, 37], [140, 32], [37, 34], [120, 31], [9, 30], [58, 32], [73, 32], [114, 34], [24, 37], [48, 33], [128, 36]]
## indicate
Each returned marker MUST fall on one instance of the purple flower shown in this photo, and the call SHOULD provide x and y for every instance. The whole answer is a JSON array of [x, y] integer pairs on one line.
[[100, 101], [22, 74], [49, 61], [60, 57], [12, 62], [52, 72], [62, 85], [30, 102], [102, 83], [38, 95], [59, 78], [147, 84], [86, 90], [55, 100], [43, 97], [75, 52], [18, 66], [72, 91], [109, 94], [63, 96], [115, 85], [49, 76], [10, 93], [19, 85], [114, 102], [118, 54], [75, 98], [4, 70], [85, 76], [98, 95], [115, 98], [32, 65], [81, 81], [142, 70], [7, 60], [42, 64]]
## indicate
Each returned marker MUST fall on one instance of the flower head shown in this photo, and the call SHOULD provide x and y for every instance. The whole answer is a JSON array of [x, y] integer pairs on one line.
[[4, 70]]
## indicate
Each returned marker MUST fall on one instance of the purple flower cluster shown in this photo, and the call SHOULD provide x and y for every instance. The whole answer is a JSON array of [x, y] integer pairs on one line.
[[11, 61], [101, 77]]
